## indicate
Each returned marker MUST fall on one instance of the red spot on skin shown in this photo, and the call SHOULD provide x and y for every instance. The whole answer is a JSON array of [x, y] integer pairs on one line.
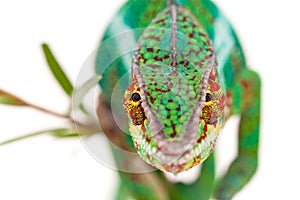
[[147, 139], [161, 21], [213, 75], [228, 94], [143, 127], [173, 73], [133, 77], [131, 87], [174, 131], [213, 85], [222, 102], [191, 98], [173, 64], [166, 57], [170, 100], [152, 99], [228, 99], [184, 19], [150, 50], [156, 58], [208, 57], [148, 157], [193, 51], [141, 56], [245, 84], [178, 108], [204, 134], [193, 78], [202, 34], [154, 38], [199, 64], [136, 146], [191, 35], [212, 147], [196, 160], [161, 90]]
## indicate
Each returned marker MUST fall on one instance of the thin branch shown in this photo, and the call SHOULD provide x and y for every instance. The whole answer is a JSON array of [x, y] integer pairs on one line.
[[50, 112], [32, 135]]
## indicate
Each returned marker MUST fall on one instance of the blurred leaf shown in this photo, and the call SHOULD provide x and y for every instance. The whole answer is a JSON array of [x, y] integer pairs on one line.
[[63, 132], [57, 71], [82, 108], [10, 99], [80, 92]]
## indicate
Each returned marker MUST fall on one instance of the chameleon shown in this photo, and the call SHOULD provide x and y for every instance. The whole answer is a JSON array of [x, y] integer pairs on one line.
[[184, 78]]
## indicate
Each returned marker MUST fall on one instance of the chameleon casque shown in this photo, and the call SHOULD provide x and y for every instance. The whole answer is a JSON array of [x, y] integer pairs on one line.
[[187, 76]]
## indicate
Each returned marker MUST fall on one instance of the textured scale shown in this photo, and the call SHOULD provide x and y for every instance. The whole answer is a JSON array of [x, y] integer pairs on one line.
[[173, 88]]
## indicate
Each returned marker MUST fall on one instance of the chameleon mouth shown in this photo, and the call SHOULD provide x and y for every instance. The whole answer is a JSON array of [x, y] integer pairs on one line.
[[170, 160]]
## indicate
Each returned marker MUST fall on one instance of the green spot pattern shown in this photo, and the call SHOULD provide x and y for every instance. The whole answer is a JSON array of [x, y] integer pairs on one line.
[[173, 90]]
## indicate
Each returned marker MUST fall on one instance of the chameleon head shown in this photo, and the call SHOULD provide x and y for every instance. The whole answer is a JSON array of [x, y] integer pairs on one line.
[[174, 124], [175, 102]]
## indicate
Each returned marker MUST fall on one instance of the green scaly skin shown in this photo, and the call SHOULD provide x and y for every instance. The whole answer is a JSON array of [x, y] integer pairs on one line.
[[173, 87]]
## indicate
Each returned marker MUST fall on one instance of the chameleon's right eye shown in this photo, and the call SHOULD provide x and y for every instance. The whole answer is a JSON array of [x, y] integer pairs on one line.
[[132, 104], [208, 97], [136, 97]]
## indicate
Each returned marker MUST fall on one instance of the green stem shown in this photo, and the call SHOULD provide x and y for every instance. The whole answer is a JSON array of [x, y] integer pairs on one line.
[[32, 135]]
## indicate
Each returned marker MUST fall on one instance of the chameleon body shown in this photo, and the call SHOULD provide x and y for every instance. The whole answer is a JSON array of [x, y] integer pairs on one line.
[[188, 75]]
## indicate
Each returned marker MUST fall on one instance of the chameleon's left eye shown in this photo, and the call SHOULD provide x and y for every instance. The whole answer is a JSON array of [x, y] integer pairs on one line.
[[136, 97], [208, 97]]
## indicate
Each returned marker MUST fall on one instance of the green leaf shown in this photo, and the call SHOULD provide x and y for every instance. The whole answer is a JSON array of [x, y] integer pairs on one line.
[[57, 71], [10, 99], [62, 132]]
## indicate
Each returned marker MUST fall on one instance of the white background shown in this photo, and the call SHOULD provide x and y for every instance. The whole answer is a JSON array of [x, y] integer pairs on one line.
[[47, 168]]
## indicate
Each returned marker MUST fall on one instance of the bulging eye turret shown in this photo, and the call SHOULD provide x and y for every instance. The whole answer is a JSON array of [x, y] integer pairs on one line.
[[132, 104], [208, 97], [136, 97]]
